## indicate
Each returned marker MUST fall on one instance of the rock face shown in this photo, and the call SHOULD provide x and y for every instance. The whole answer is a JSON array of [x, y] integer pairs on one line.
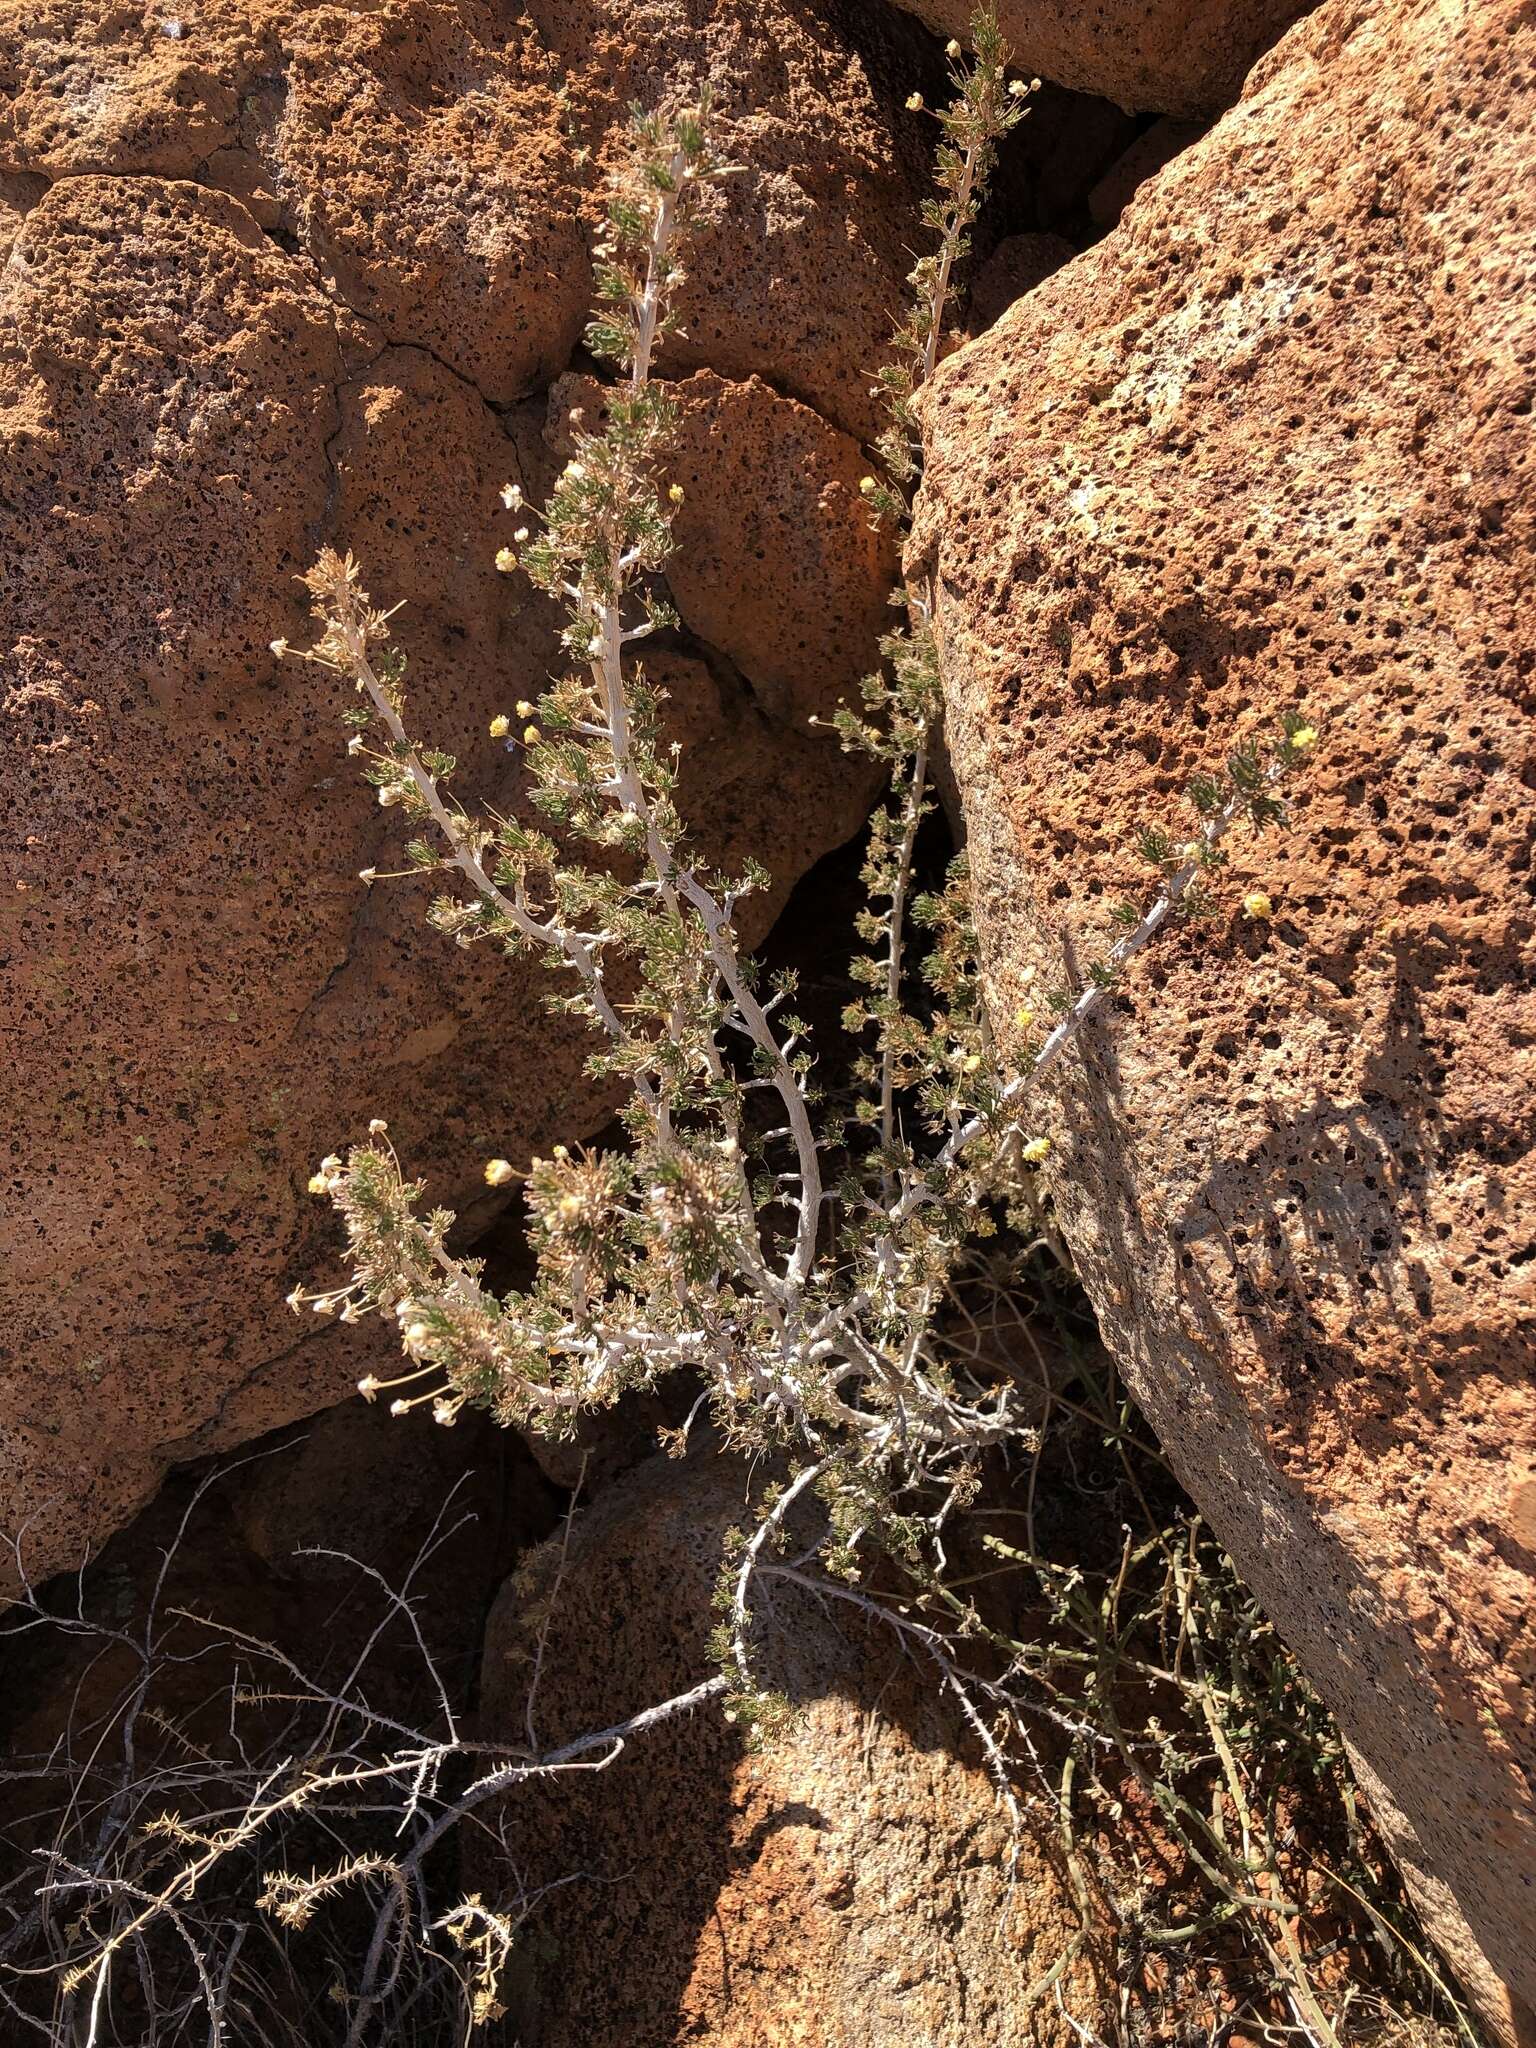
[[1149, 56], [1270, 444], [284, 275], [845, 1886]]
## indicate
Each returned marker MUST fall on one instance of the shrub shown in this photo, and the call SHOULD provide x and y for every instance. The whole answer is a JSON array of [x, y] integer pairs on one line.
[[790, 1251]]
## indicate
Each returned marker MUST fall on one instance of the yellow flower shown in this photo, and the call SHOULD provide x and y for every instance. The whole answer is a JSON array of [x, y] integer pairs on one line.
[[914, 103], [414, 1336], [1303, 737], [867, 486], [1036, 1150], [1257, 904], [319, 1183], [675, 494], [970, 1063], [952, 49], [1023, 1016], [531, 735], [497, 1172], [501, 725], [524, 708], [506, 561]]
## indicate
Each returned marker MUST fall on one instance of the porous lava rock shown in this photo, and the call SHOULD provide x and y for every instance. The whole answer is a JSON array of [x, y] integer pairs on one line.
[[439, 164], [1148, 56], [1269, 445], [277, 277], [846, 1883], [777, 568]]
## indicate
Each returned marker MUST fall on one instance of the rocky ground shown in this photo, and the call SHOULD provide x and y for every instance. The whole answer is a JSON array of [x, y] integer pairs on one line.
[[1244, 422]]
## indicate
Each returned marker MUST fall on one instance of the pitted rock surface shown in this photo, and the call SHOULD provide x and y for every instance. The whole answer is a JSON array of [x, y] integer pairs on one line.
[[278, 277], [1268, 445], [1149, 56], [846, 1884]]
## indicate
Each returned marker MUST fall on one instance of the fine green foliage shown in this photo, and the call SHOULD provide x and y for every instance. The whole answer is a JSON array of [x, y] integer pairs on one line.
[[791, 1251]]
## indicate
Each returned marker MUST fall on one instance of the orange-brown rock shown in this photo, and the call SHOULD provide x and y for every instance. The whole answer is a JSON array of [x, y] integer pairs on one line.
[[844, 1885], [439, 166], [286, 263], [778, 567], [1270, 445], [1149, 56]]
